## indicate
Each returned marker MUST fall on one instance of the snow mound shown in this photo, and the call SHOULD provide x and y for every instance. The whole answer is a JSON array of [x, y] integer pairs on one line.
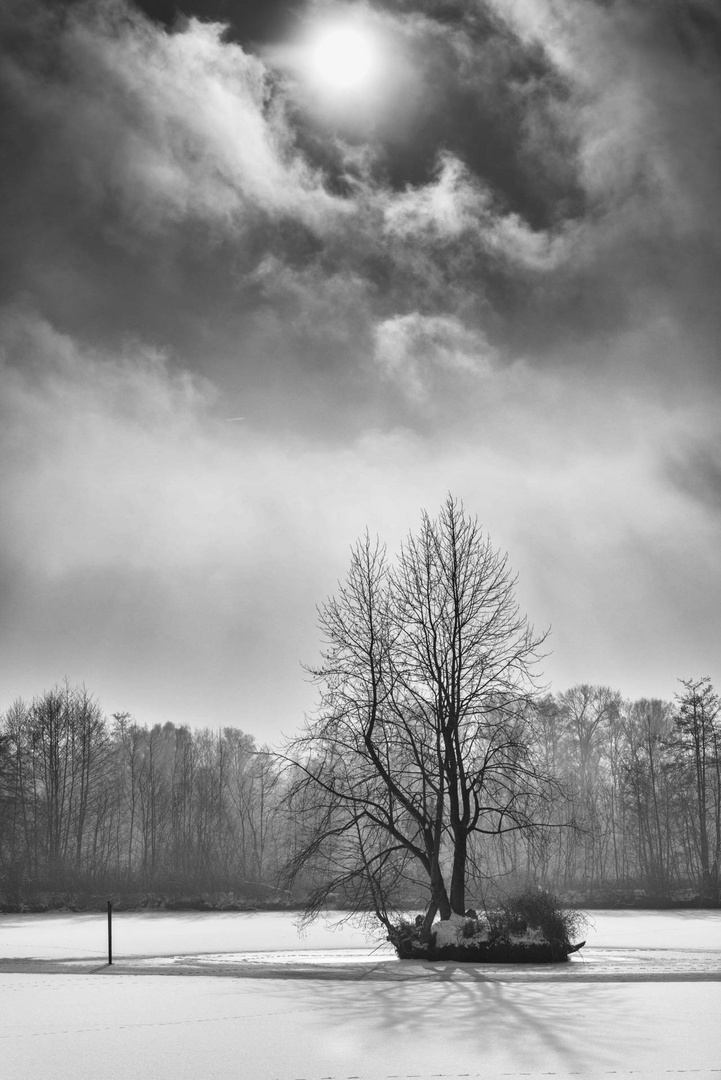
[[466, 932]]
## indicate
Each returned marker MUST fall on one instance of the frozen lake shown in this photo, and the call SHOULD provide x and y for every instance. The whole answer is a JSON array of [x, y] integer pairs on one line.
[[643, 998], [619, 944]]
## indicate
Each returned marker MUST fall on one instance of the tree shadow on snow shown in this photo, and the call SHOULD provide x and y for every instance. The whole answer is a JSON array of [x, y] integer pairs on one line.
[[561, 1023]]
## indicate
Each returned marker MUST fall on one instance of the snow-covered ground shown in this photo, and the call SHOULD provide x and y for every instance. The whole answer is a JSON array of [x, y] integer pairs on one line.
[[643, 998], [59, 934]]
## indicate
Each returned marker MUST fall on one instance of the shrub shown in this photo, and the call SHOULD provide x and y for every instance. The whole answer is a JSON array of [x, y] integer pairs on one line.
[[536, 908], [470, 928]]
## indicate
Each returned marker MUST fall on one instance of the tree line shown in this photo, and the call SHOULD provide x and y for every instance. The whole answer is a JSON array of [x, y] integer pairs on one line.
[[642, 788], [91, 805]]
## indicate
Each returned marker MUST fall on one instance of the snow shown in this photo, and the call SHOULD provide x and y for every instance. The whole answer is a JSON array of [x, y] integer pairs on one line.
[[655, 929], [451, 932], [79, 1027], [637, 999], [60, 934]]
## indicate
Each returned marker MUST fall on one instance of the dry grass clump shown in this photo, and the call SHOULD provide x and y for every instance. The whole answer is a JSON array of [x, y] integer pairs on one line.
[[535, 908]]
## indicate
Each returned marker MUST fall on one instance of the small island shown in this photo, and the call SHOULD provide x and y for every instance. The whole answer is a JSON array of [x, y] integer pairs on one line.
[[499, 937]]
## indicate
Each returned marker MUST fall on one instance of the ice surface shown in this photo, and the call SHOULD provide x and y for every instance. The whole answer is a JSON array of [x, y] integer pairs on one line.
[[655, 929], [171, 934], [60, 934], [642, 999]]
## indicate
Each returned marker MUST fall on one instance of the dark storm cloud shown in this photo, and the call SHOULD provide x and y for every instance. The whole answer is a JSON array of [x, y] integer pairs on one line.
[[154, 202], [497, 273], [157, 176], [248, 21], [164, 196]]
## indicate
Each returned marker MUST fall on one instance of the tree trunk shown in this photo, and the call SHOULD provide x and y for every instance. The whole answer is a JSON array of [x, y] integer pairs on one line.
[[439, 902], [458, 877], [428, 921], [439, 895]]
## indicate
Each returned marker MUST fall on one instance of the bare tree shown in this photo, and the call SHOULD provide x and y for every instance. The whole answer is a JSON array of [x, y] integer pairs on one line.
[[646, 728], [423, 733], [590, 716], [696, 749]]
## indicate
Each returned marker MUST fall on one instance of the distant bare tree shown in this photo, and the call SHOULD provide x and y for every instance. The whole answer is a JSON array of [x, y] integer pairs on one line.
[[647, 724], [590, 715], [696, 747], [56, 754]]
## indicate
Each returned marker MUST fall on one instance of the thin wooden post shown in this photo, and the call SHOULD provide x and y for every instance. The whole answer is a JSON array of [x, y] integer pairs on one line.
[[110, 933]]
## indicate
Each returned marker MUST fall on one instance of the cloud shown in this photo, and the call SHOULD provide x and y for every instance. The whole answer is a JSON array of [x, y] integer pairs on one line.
[[457, 208], [158, 126], [693, 464], [133, 130], [422, 352], [174, 560], [642, 86], [150, 547], [100, 443], [185, 241]]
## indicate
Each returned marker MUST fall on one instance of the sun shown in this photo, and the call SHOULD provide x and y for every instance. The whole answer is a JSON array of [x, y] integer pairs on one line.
[[342, 57]]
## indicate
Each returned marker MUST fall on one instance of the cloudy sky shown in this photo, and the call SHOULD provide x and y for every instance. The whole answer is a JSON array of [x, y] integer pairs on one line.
[[257, 294]]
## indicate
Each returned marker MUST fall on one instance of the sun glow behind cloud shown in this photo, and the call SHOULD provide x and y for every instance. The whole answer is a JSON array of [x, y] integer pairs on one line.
[[342, 56], [344, 66]]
